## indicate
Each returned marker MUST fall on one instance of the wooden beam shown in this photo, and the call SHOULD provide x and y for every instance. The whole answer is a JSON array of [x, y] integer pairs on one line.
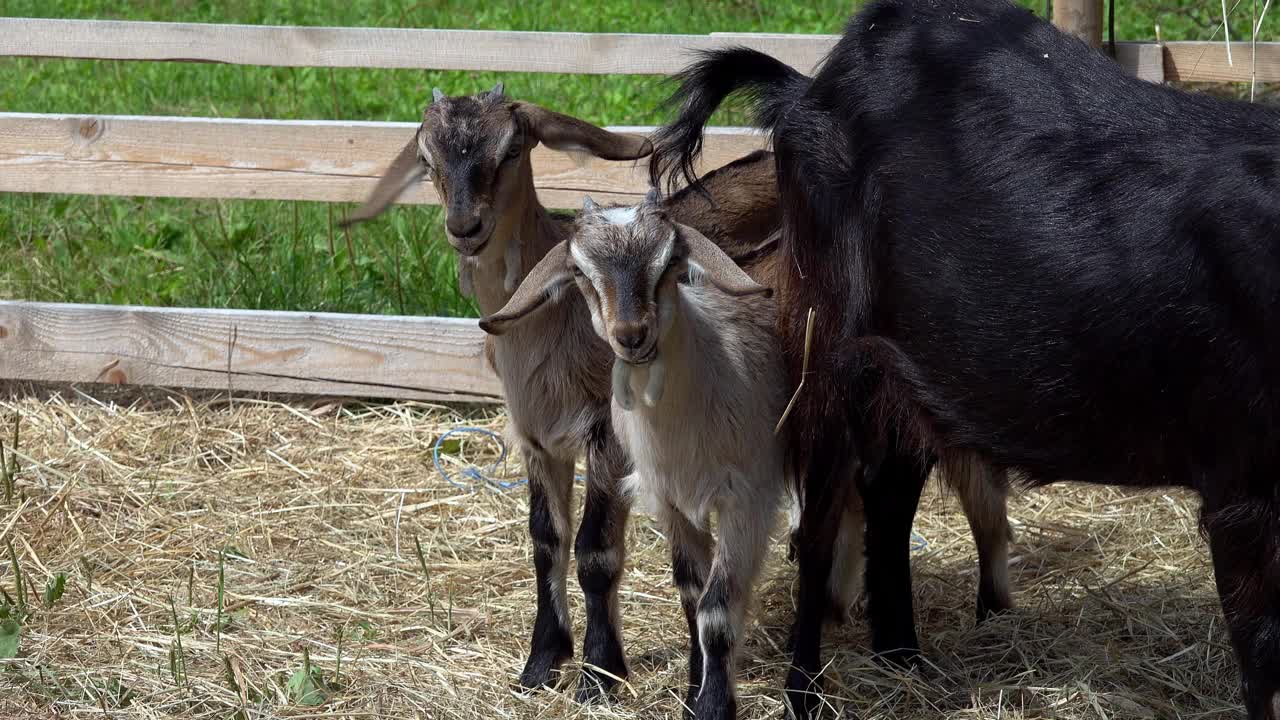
[[1207, 62], [276, 160], [500, 51], [1082, 18], [287, 46], [423, 358]]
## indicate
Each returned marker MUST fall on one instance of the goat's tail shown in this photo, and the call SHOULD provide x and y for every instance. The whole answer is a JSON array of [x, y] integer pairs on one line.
[[770, 84]]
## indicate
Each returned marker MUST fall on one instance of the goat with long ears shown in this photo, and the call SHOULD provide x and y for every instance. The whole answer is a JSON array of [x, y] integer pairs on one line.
[[705, 445]]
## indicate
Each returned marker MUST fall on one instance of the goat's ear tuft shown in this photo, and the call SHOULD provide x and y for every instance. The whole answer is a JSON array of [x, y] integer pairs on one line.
[[717, 267], [569, 134], [497, 90], [653, 197], [545, 281], [589, 205], [436, 95], [406, 169]]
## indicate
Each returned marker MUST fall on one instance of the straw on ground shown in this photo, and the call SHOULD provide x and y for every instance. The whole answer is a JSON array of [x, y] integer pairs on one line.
[[289, 535]]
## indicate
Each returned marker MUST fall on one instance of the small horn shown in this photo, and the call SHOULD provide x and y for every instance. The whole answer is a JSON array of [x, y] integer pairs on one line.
[[589, 205], [497, 90], [436, 95]]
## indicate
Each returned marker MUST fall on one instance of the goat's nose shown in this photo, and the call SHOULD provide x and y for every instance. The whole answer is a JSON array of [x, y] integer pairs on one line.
[[463, 228], [631, 337]]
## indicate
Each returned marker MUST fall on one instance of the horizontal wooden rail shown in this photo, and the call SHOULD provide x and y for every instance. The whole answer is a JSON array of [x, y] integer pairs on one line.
[[422, 358], [494, 50], [275, 159], [290, 46], [1207, 62]]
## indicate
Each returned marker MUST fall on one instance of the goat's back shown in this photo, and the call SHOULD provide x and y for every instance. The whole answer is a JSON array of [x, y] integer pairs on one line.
[[1077, 269]]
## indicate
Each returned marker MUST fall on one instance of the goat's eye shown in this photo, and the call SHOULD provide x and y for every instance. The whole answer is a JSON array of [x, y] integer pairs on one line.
[[577, 273], [513, 152]]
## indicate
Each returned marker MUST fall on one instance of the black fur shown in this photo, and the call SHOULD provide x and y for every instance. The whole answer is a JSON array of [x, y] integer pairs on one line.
[[551, 644], [715, 699], [1071, 271], [600, 536], [689, 580]]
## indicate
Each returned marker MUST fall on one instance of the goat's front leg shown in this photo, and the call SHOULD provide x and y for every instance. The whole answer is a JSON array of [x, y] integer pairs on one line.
[[601, 553], [550, 494], [690, 565], [722, 609]]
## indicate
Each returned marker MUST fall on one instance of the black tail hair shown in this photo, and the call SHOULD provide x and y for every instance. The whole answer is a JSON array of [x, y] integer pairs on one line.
[[769, 84]]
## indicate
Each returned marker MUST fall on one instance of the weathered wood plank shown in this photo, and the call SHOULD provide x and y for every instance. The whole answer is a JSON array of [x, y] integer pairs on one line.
[[423, 358], [276, 160], [1082, 18], [500, 51], [288, 46], [1207, 62]]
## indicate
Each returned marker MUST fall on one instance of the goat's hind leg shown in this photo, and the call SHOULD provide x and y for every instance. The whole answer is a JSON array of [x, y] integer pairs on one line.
[[984, 492], [1244, 539], [601, 553], [550, 494], [828, 480], [690, 564], [743, 539], [891, 492]]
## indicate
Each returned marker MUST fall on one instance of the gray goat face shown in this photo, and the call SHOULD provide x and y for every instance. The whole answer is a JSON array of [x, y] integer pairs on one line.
[[626, 261]]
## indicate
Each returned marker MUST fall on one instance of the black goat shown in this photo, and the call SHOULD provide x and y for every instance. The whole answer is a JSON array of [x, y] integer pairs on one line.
[[1015, 249]]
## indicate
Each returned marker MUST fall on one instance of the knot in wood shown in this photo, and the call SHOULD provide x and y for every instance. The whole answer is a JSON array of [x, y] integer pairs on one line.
[[90, 128]]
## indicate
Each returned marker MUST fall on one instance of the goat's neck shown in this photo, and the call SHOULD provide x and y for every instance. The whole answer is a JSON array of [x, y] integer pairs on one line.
[[679, 352], [524, 234]]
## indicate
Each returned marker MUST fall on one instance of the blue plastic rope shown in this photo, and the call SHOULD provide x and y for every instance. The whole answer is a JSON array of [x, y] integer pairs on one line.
[[471, 472], [918, 543], [476, 475]]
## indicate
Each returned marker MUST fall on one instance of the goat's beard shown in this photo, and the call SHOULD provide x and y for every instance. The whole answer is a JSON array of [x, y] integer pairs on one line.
[[654, 379]]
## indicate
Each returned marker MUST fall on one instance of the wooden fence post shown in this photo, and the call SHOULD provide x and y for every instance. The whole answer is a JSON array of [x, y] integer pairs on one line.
[[1082, 18]]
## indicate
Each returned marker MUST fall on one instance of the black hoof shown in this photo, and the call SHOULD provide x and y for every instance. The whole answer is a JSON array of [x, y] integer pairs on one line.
[[690, 702], [989, 607], [804, 695], [715, 706], [595, 685], [905, 658], [541, 670]]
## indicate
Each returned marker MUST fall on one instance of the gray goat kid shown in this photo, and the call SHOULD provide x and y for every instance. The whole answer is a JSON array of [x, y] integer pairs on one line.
[[698, 384], [554, 370]]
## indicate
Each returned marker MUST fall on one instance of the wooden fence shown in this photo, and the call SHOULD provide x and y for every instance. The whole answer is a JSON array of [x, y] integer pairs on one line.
[[332, 161]]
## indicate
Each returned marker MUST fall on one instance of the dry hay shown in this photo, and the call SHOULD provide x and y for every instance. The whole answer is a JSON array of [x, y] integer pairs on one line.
[[316, 508]]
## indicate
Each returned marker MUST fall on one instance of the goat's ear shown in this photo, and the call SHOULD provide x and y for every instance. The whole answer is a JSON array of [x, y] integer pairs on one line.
[[569, 134], [545, 281], [717, 267], [406, 169]]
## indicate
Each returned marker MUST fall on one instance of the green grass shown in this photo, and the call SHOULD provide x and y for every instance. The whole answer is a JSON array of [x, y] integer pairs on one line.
[[281, 255]]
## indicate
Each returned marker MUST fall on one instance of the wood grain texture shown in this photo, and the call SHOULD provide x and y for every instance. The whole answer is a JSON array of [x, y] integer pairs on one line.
[[288, 46], [275, 160], [500, 51], [1207, 62], [422, 358], [1082, 18]]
